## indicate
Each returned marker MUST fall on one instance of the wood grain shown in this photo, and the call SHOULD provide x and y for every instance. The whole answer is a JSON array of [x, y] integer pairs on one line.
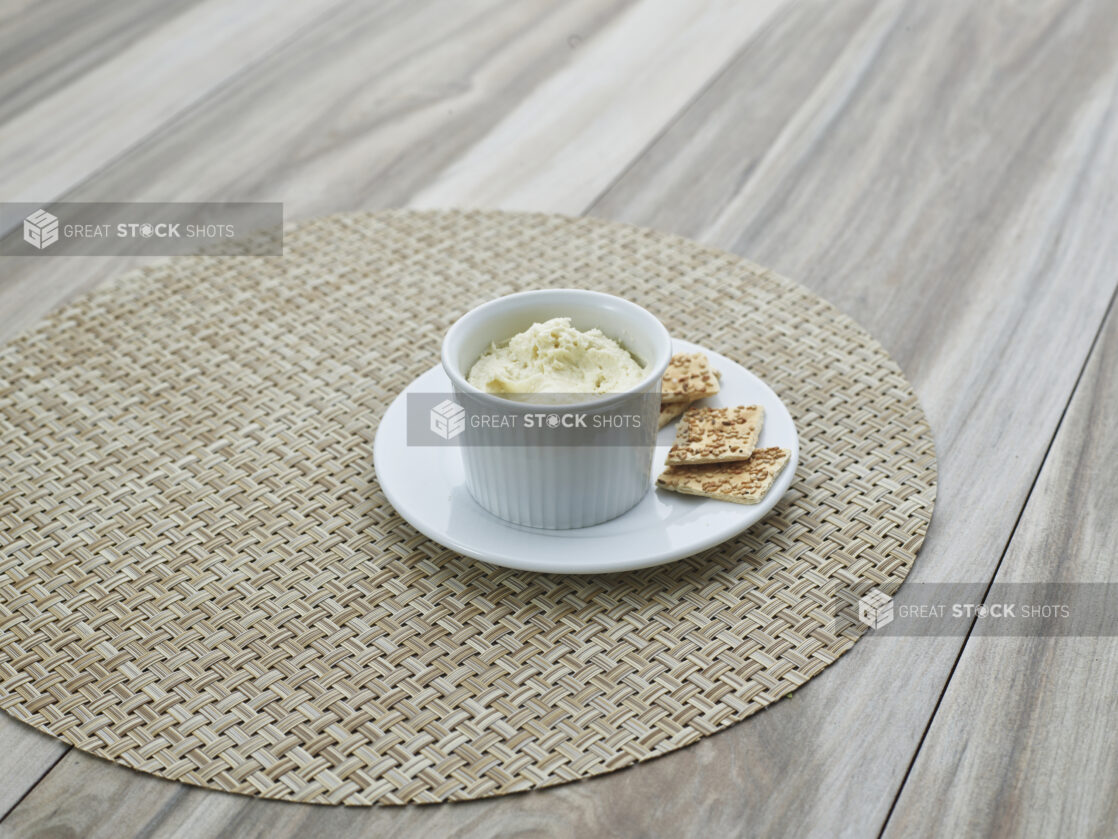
[[939, 170], [1023, 743], [24, 755], [586, 124], [55, 144], [46, 46]]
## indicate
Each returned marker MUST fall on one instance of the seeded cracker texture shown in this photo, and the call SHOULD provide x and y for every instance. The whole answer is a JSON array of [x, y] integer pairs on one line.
[[673, 410], [716, 435], [742, 482], [689, 377]]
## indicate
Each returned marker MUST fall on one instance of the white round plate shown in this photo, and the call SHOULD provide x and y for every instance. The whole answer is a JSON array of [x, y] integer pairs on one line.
[[427, 487]]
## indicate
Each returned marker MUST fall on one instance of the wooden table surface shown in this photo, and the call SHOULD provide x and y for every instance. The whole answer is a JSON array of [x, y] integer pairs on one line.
[[944, 171]]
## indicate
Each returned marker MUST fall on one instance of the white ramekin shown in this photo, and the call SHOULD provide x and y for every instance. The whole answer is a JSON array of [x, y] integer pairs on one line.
[[580, 483]]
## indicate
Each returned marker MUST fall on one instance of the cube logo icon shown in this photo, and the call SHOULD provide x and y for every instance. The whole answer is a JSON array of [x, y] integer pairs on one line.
[[40, 229], [448, 419], [875, 609]]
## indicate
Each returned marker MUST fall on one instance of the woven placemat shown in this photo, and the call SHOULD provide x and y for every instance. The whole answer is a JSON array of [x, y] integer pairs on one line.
[[200, 577]]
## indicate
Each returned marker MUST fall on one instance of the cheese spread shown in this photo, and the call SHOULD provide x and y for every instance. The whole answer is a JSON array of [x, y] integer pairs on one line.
[[554, 357]]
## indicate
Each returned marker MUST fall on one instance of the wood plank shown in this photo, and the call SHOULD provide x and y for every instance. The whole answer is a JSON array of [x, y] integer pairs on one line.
[[61, 140], [25, 755], [564, 144], [45, 46], [1023, 743]]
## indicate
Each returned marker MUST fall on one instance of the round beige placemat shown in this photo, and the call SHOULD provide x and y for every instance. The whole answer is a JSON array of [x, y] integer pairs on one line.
[[200, 577]]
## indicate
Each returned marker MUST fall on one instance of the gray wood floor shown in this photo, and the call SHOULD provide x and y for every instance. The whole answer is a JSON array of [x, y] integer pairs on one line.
[[946, 172]]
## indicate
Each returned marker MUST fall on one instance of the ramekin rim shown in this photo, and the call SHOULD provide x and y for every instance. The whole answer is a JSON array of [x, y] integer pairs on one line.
[[655, 370]]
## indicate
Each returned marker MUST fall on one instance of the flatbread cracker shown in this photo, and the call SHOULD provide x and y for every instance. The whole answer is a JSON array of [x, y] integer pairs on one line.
[[688, 377], [673, 410], [716, 435], [742, 482], [670, 411]]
